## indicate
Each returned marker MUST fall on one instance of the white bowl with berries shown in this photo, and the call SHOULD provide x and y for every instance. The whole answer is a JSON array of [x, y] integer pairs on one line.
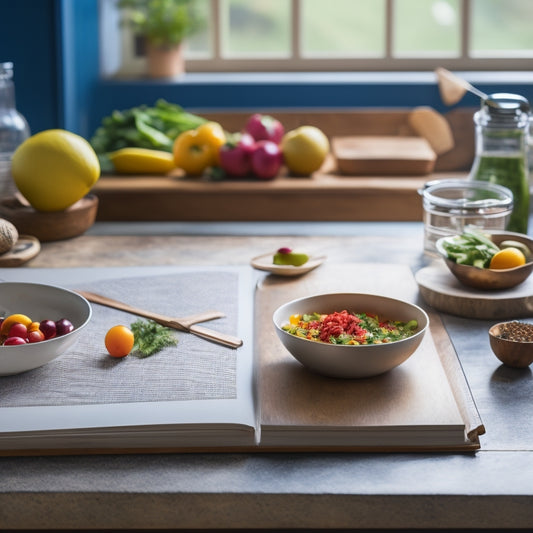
[[38, 323]]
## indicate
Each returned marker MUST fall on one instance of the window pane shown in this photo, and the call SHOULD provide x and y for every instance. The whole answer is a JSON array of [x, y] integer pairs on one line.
[[256, 28], [502, 25], [353, 28], [427, 28], [200, 44]]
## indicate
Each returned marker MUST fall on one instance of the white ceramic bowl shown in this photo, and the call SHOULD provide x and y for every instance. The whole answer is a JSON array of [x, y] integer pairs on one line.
[[40, 302], [351, 361]]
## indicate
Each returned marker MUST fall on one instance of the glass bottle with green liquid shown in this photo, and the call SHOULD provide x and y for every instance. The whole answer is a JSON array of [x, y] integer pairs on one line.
[[502, 126]]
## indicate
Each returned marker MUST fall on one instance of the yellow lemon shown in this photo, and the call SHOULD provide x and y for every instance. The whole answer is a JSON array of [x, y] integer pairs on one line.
[[304, 149], [507, 258], [54, 169], [142, 161]]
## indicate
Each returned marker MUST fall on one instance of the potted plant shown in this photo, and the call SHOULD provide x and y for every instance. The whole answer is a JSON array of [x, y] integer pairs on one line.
[[164, 25]]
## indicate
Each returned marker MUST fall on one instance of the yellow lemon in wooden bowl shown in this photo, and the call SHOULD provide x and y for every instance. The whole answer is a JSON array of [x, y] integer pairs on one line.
[[53, 169]]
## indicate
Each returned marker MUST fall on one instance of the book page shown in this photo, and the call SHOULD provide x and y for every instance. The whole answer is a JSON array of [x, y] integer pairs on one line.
[[189, 389], [412, 405]]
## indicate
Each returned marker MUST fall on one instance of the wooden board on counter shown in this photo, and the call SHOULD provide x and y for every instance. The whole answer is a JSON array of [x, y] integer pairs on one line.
[[323, 197], [445, 293], [383, 155]]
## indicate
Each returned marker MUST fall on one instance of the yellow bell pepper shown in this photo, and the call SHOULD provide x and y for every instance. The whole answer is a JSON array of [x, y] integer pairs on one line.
[[196, 150]]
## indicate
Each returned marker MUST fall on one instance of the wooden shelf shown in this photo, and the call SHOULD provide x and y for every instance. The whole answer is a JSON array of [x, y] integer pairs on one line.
[[325, 196]]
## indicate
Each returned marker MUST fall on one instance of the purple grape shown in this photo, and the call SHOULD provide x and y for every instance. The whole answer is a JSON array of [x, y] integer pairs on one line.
[[48, 327], [63, 326]]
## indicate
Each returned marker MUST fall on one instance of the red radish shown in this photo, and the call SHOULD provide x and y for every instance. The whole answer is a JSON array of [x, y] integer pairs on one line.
[[267, 159], [235, 155], [265, 128]]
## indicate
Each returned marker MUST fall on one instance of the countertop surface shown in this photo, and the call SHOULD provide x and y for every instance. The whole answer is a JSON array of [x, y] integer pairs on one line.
[[489, 489]]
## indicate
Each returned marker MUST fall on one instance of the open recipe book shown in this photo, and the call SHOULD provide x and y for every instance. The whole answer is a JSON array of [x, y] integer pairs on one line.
[[201, 396]]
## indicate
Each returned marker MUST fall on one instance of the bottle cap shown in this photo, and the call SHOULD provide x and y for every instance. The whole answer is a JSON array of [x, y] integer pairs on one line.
[[507, 103]]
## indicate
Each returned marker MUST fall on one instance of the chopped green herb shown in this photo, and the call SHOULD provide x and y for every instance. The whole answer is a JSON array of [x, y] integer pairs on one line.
[[151, 337]]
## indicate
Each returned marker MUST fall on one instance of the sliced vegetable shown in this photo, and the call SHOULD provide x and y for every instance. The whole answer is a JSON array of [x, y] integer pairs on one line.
[[471, 248]]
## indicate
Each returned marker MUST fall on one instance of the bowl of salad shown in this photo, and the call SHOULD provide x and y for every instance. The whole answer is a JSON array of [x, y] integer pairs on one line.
[[38, 323], [350, 335], [488, 261]]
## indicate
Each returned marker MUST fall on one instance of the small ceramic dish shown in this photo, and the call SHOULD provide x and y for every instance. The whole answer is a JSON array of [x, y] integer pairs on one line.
[[512, 343], [486, 278], [351, 361], [265, 262]]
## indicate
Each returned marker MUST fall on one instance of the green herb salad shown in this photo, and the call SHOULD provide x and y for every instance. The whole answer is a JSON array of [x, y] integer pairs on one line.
[[349, 328]]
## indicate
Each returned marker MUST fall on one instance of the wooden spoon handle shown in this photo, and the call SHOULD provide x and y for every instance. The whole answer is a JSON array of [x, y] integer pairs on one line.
[[188, 324], [215, 336], [115, 304]]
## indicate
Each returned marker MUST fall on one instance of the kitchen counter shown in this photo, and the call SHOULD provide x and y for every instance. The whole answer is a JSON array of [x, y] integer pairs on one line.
[[490, 489]]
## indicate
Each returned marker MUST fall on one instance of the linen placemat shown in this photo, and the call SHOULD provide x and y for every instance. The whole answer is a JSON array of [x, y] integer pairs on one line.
[[194, 369]]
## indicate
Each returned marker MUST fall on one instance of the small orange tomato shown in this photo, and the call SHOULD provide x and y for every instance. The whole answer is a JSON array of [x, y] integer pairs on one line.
[[34, 326], [119, 341]]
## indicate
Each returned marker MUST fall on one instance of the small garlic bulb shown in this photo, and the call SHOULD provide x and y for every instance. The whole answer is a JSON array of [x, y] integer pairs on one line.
[[8, 235]]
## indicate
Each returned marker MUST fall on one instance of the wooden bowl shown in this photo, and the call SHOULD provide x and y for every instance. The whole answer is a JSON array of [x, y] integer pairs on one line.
[[486, 278], [54, 225], [515, 350]]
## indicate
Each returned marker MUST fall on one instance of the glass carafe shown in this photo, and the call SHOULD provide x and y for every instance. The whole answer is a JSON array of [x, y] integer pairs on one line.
[[502, 126], [13, 127]]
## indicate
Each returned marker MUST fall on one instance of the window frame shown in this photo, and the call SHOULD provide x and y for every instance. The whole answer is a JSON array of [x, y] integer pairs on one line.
[[295, 62]]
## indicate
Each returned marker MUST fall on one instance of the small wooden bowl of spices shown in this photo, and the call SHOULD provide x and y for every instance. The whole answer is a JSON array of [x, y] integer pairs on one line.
[[512, 343]]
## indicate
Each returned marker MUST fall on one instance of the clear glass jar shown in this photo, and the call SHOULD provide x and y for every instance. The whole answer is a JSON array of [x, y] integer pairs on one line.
[[451, 205], [502, 132], [14, 128]]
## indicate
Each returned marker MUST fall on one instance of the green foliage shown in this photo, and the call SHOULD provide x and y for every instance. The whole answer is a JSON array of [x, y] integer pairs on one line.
[[162, 22], [151, 337], [142, 127]]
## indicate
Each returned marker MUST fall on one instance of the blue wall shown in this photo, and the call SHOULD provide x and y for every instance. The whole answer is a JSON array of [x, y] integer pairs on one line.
[[55, 47], [28, 38]]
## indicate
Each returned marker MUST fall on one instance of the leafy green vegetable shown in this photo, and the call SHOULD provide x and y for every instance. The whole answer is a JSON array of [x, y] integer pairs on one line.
[[142, 127], [471, 248], [150, 338]]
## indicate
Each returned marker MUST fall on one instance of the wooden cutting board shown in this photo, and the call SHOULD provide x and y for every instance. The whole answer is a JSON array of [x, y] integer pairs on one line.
[[384, 156], [440, 289]]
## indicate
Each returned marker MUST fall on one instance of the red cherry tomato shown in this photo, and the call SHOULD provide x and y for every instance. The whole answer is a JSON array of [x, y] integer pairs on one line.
[[18, 330], [14, 341], [35, 335], [119, 341]]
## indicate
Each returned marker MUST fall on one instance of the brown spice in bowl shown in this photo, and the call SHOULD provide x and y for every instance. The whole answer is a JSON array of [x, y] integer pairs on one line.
[[512, 343], [516, 331]]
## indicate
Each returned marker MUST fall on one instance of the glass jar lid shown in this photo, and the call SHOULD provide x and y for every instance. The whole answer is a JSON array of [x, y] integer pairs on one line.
[[466, 195]]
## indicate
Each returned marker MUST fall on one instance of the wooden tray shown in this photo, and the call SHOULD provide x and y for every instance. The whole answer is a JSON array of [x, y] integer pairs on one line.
[[444, 292], [50, 226], [375, 155]]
